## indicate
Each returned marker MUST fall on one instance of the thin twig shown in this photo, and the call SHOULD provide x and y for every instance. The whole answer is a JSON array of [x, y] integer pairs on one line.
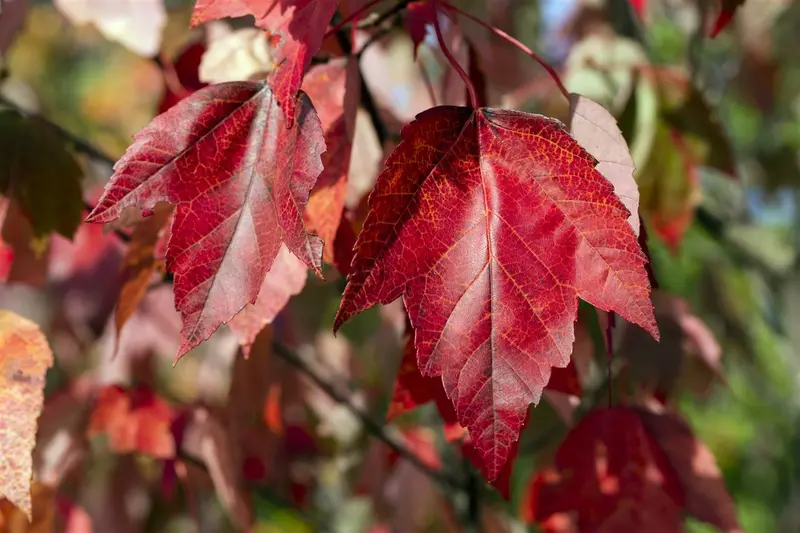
[[370, 426], [500, 33], [367, 101], [473, 96], [474, 524], [352, 17]]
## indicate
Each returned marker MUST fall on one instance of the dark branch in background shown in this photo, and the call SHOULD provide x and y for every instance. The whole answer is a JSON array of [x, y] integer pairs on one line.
[[367, 101], [341, 395], [474, 524]]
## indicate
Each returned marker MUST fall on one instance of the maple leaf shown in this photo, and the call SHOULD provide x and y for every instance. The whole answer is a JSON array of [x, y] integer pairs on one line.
[[239, 179], [334, 89], [491, 223], [706, 497], [297, 28], [688, 352], [412, 389], [610, 475], [187, 71], [596, 130], [134, 421], [23, 256], [140, 263], [40, 174], [137, 25], [286, 278], [417, 17], [24, 358]]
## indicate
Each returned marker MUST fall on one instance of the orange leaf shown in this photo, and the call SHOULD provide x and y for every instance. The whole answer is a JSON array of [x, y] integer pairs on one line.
[[24, 359]]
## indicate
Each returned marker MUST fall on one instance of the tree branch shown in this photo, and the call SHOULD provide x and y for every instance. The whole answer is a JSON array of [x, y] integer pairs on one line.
[[342, 395]]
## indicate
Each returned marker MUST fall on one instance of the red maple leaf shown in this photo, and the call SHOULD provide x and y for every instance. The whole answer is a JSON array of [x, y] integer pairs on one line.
[[417, 17], [182, 78], [609, 475], [412, 389], [239, 179], [297, 28], [490, 223], [334, 90]]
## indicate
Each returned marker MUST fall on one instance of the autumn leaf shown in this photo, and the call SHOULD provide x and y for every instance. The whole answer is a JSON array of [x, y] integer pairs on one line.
[[25, 358], [136, 25], [688, 352], [416, 19], [707, 499], [725, 16], [23, 257], [297, 28], [207, 439], [609, 475], [40, 174], [490, 223], [286, 278], [640, 6], [596, 130], [134, 421], [334, 89], [12, 21], [412, 389], [186, 80], [42, 519], [140, 263], [239, 179]]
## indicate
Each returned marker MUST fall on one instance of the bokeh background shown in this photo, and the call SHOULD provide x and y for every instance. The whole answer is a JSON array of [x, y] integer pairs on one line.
[[720, 203]]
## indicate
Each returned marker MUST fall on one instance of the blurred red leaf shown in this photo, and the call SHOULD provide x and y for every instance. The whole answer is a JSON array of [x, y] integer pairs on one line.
[[239, 179], [140, 263], [639, 6], [297, 28], [207, 438], [609, 475], [343, 244], [728, 9], [416, 18], [491, 285], [182, 78], [134, 421], [23, 257], [707, 498], [334, 90], [24, 359], [412, 389]]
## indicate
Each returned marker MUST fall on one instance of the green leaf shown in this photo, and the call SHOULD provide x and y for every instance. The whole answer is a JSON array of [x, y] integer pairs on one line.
[[40, 173]]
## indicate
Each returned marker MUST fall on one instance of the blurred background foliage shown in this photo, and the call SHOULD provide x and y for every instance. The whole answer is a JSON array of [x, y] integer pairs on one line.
[[720, 203]]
